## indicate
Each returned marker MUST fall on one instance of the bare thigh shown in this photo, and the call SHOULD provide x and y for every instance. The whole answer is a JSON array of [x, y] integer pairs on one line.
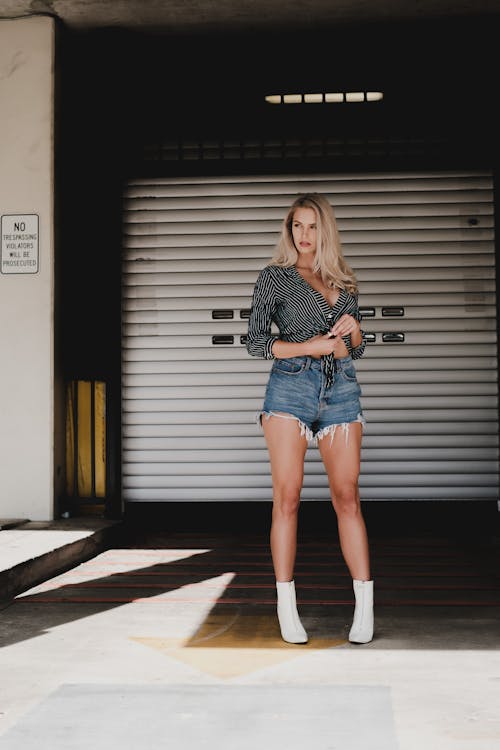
[[287, 449], [341, 458]]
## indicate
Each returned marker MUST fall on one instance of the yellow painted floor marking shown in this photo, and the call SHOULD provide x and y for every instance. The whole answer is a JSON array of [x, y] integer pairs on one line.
[[230, 644]]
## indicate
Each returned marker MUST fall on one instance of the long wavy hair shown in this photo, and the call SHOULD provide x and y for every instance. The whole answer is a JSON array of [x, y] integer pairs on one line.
[[329, 260]]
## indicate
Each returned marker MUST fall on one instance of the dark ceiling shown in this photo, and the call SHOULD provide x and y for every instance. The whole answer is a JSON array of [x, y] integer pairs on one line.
[[204, 16]]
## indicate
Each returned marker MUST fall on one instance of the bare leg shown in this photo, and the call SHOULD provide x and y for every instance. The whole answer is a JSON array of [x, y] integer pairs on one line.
[[341, 457], [287, 449]]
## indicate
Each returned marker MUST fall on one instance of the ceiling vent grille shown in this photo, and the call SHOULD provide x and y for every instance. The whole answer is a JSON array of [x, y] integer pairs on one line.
[[285, 149]]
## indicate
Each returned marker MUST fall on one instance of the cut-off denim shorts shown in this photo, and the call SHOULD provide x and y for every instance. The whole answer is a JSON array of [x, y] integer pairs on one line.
[[297, 389]]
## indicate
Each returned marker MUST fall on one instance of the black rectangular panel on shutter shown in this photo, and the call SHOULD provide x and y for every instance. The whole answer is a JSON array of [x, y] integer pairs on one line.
[[222, 339], [393, 312]]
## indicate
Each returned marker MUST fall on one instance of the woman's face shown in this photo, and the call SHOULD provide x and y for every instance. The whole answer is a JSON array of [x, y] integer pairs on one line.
[[304, 230]]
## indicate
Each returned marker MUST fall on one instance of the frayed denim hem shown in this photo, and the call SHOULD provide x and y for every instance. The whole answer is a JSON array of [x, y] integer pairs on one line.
[[344, 426]]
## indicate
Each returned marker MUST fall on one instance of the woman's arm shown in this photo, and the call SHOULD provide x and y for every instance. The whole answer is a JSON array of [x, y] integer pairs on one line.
[[259, 337], [315, 347], [348, 327]]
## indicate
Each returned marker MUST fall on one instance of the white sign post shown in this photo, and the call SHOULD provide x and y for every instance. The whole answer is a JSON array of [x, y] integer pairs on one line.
[[19, 236]]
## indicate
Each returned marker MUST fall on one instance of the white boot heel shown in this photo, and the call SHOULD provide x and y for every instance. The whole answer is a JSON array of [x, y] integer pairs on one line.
[[290, 625], [362, 626]]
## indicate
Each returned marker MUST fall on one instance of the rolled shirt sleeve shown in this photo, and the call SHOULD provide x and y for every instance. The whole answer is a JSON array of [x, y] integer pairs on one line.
[[355, 351], [260, 340]]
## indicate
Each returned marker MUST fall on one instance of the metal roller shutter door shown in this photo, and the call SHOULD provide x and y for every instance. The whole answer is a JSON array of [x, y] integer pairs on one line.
[[422, 245]]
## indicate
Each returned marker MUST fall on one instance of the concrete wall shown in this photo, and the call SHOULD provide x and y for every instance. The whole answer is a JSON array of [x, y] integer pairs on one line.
[[29, 459]]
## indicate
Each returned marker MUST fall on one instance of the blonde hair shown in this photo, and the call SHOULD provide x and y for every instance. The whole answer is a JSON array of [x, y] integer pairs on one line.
[[329, 260]]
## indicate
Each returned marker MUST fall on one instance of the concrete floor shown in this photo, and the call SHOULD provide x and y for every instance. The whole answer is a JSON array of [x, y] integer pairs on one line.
[[175, 634]]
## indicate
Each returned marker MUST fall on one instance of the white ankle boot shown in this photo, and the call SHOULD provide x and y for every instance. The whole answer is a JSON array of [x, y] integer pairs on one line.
[[362, 626], [290, 625]]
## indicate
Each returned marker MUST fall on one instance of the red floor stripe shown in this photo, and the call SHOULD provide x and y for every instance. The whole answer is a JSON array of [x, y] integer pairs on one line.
[[325, 602], [411, 553], [269, 573], [229, 564], [312, 586]]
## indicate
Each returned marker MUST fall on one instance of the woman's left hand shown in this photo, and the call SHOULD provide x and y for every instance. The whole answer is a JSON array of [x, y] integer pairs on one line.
[[345, 326]]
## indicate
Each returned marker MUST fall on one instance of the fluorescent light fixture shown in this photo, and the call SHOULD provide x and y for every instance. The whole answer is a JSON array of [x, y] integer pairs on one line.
[[334, 98], [354, 96], [338, 97], [313, 98]]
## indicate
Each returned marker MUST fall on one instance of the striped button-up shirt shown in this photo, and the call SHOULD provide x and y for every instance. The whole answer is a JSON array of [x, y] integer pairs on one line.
[[282, 296]]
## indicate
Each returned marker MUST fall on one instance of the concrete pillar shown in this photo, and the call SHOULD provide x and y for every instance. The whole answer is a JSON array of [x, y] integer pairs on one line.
[[31, 467]]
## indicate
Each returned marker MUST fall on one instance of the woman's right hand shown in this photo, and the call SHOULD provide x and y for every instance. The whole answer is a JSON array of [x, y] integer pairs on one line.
[[323, 344]]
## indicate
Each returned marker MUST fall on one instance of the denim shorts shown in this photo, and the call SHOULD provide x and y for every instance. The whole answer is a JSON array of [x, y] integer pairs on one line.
[[296, 389]]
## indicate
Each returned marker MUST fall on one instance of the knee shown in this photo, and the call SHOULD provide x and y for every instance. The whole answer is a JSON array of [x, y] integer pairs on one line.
[[286, 501], [346, 501]]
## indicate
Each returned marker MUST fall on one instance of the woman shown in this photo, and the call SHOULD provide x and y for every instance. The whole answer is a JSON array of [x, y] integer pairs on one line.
[[310, 293]]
